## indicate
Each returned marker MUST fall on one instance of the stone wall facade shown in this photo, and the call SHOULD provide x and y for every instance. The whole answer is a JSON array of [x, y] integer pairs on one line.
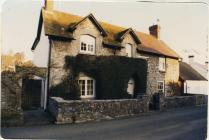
[[68, 111], [171, 74], [11, 112], [60, 49], [153, 73]]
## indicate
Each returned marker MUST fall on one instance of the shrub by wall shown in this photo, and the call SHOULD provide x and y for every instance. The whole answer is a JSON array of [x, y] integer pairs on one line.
[[111, 73]]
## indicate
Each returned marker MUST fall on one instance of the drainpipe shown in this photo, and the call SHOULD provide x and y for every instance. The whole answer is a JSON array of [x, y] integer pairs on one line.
[[48, 74]]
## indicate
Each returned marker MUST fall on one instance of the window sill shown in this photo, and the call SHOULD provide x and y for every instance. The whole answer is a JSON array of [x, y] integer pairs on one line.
[[163, 71], [87, 53], [87, 97]]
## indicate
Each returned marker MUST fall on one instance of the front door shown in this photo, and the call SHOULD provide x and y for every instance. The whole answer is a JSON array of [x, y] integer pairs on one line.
[[31, 94]]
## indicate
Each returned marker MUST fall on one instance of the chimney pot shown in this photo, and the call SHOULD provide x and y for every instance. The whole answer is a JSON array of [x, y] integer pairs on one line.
[[49, 4], [191, 59], [206, 63]]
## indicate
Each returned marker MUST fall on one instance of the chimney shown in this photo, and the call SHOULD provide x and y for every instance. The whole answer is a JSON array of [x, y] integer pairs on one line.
[[49, 4], [206, 64], [154, 30], [191, 59]]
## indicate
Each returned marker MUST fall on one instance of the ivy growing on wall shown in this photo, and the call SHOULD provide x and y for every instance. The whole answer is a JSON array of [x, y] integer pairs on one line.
[[111, 73]]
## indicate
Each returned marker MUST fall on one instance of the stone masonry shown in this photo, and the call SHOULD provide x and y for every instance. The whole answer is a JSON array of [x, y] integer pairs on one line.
[[171, 74], [68, 111], [11, 112], [60, 49]]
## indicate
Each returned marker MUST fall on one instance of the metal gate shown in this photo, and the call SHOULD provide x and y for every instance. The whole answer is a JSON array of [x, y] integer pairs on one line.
[[31, 94]]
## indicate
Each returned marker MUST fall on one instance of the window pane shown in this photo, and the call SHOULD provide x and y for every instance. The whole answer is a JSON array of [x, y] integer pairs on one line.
[[89, 87], [91, 48], [87, 43], [160, 86], [128, 50], [84, 47], [82, 86], [162, 64]]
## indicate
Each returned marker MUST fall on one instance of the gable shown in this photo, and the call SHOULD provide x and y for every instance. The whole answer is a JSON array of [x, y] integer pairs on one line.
[[86, 27], [128, 38], [93, 20], [122, 35]]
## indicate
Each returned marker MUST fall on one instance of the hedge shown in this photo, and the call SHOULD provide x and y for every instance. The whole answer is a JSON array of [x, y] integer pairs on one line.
[[111, 73]]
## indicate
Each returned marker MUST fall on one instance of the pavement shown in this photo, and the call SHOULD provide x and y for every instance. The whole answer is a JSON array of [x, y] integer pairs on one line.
[[37, 117], [179, 124]]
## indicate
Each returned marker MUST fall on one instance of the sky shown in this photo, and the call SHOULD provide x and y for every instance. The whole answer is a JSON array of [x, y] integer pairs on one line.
[[184, 26]]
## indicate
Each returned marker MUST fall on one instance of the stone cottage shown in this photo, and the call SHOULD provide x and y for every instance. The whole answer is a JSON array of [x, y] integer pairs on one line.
[[62, 36]]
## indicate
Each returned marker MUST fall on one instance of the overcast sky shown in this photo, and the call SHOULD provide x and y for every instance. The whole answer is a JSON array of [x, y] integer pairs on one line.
[[183, 25]]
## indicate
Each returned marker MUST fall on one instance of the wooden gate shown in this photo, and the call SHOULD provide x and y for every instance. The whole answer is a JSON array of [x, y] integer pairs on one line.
[[31, 94]]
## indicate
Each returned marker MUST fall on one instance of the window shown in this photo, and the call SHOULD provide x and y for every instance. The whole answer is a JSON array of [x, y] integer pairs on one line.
[[131, 85], [87, 87], [87, 44], [128, 50], [160, 87], [161, 64]]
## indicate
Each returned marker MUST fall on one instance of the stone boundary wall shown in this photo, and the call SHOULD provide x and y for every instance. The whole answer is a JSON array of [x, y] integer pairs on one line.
[[69, 111], [11, 112], [185, 101]]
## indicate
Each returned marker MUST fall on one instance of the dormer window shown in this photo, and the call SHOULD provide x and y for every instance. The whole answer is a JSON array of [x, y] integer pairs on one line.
[[128, 48], [87, 44]]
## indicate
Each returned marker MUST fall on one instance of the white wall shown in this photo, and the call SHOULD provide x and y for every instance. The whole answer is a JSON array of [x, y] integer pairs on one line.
[[42, 50], [196, 87]]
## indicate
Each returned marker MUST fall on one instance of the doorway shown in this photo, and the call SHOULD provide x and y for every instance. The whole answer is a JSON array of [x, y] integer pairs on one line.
[[33, 93]]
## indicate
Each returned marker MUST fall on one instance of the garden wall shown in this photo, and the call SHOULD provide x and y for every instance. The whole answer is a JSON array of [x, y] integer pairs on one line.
[[167, 103], [11, 112], [185, 101], [69, 111]]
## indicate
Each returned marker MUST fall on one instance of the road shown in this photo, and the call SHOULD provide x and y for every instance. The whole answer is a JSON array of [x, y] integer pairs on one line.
[[180, 124]]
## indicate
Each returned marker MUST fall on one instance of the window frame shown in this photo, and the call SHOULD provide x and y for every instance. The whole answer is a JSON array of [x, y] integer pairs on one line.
[[163, 89], [162, 64], [131, 46], [87, 44], [86, 87]]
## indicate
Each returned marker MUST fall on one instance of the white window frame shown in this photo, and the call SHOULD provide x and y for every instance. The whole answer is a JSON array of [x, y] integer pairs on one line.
[[86, 86], [128, 45], [163, 89], [89, 41], [162, 64]]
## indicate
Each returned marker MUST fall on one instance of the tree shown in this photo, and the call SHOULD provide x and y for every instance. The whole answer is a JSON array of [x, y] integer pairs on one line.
[[10, 60]]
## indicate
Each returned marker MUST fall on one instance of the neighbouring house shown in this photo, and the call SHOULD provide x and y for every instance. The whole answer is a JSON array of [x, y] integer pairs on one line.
[[99, 60], [201, 68], [191, 81]]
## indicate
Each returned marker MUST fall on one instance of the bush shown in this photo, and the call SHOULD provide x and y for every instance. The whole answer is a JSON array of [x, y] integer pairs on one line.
[[111, 73]]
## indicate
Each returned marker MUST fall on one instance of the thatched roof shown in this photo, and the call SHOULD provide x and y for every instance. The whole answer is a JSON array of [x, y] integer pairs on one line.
[[58, 23]]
